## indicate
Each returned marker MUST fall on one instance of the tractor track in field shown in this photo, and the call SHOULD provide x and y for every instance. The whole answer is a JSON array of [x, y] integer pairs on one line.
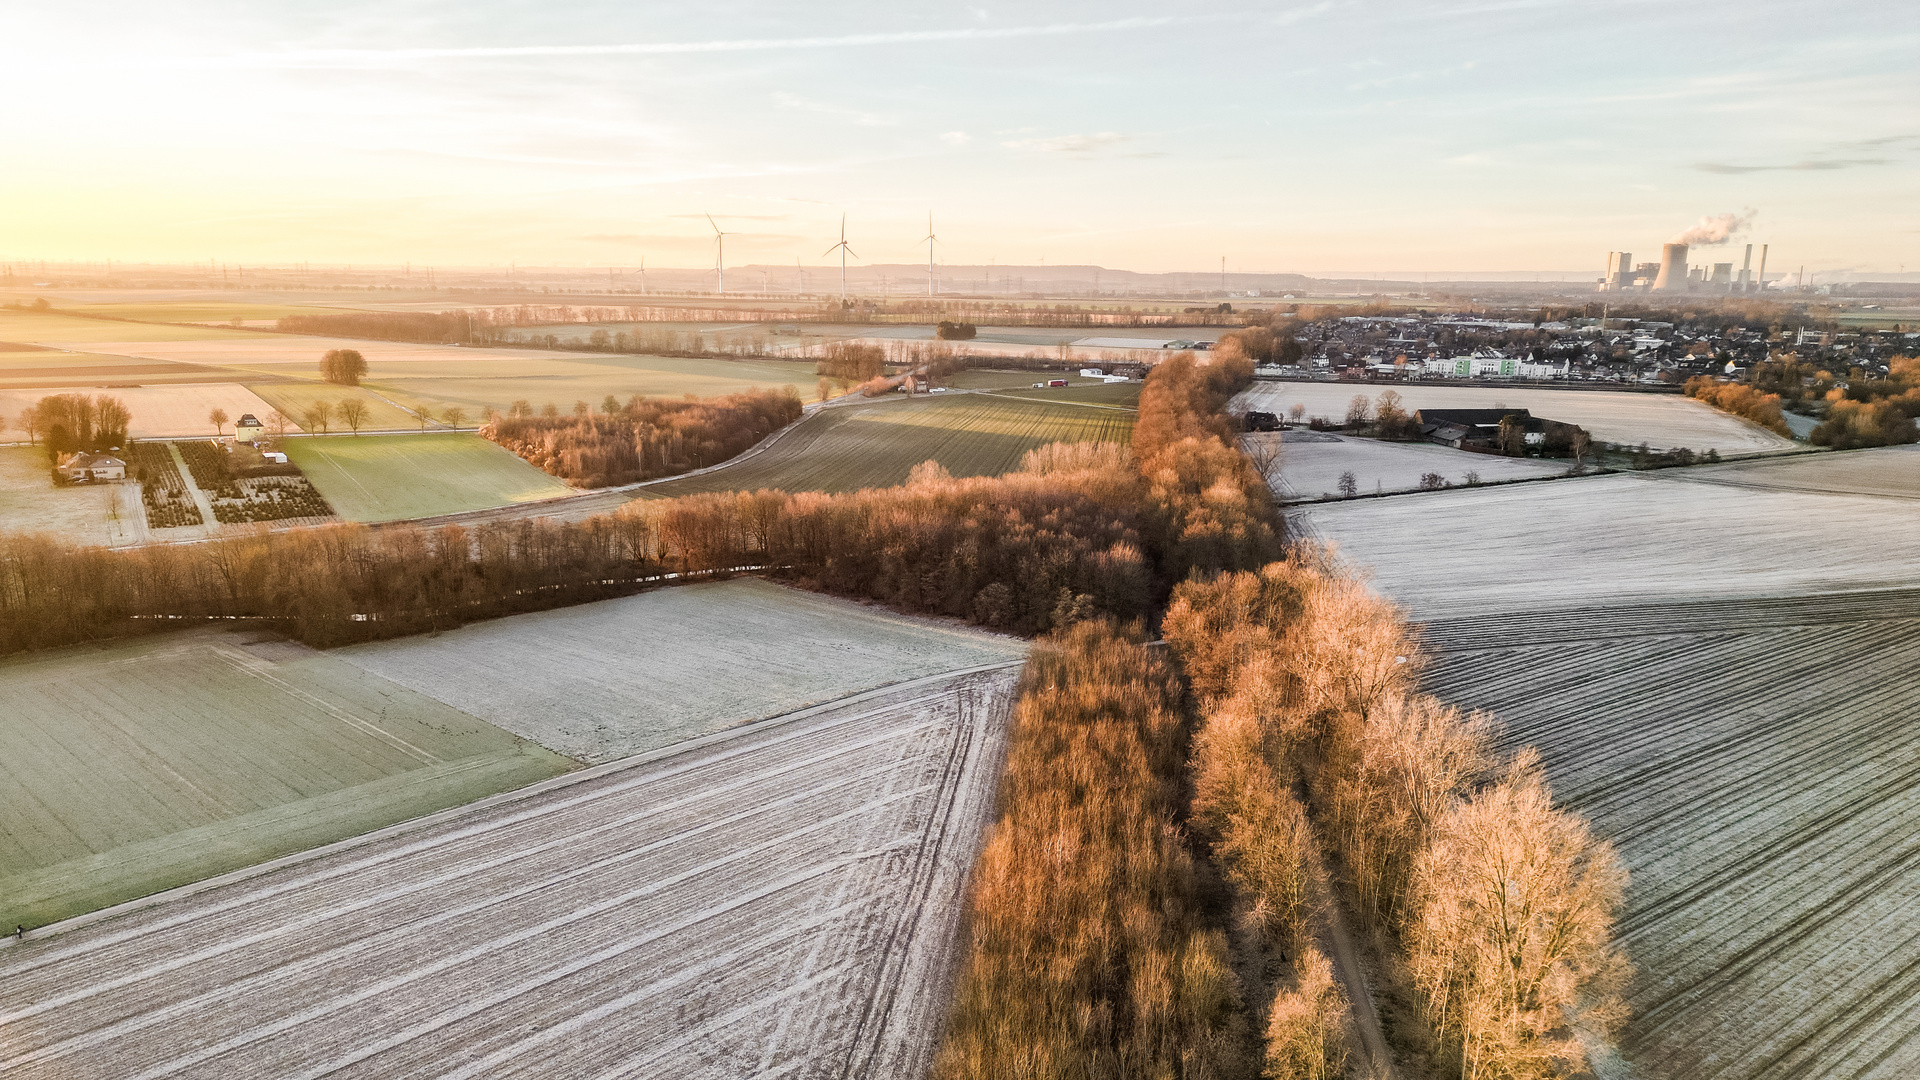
[[708, 910]]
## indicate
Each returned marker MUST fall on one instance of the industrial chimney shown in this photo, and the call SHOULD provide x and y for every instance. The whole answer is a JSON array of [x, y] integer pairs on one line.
[[1673, 269]]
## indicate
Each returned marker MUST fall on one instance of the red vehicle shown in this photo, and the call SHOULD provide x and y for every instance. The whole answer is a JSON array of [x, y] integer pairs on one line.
[[1056, 382]]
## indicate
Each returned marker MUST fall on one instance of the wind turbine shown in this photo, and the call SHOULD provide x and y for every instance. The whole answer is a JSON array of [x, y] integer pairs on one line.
[[801, 272], [643, 275], [719, 255], [929, 240], [844, 252]]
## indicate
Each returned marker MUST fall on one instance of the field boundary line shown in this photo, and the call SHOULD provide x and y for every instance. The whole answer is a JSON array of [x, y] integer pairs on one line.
[[542, 787]]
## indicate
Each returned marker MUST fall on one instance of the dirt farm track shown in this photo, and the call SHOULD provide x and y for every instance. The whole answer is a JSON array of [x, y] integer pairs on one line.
[[781, 899]]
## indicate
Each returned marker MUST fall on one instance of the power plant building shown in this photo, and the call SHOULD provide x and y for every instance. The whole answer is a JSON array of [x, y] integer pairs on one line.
[[1673, 269], [1672, 274]]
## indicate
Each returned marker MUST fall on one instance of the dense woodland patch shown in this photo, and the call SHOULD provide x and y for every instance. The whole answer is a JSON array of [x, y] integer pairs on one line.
[[644, 439]]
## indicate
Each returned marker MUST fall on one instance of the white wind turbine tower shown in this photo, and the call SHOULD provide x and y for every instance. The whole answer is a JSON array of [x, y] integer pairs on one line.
[[844, 252], [801, 272], [643, 275], [929, 240], [719, 256]]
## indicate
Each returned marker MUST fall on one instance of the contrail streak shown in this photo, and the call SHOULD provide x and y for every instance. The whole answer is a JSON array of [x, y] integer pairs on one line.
[[669, 48]]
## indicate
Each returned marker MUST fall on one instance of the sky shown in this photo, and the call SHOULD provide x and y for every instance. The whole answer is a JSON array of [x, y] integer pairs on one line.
[[1321, 137]]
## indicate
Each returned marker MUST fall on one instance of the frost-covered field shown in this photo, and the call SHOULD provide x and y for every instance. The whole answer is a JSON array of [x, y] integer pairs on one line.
[[779, 901], [1311, 464], [1622, 537], [135, 766], [1757, 763], [601, 681], [1663, 421], [1890, 471]]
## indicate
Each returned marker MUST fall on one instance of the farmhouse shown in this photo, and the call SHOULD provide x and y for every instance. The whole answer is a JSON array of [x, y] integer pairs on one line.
[[1479, 429], [84, 467], [246, 429]]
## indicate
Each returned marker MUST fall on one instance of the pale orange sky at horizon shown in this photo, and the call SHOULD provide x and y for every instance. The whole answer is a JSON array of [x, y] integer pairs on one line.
[[1313, 138]]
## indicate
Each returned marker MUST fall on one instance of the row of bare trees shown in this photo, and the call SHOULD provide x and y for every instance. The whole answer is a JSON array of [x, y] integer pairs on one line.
[[1089, 957], [1498, 908]]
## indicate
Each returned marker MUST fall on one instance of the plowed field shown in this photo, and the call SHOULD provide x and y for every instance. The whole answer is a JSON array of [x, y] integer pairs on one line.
[[782, 901], [1758, 765]]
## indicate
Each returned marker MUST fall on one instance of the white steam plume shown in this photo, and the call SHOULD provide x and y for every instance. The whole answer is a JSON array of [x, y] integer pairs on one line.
[[1716, 229]]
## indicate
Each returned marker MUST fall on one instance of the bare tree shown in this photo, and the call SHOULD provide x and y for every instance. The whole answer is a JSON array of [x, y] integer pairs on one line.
[[1297, 412], [1359, 411], [582, 409], [277, 422], [316, 417], [218, 418], [1349, 485], [1264, 451], [549, 410], [455, 416], [353, 413], [1510, 939], [610, 405], [29, 422]]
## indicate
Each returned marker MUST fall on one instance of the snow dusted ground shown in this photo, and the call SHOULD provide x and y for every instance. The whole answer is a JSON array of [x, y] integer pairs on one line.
[[1311, 464], [1757, 764], [779, 900], [1625, 537], [1717, 665], [601, 681], [1663, 421]]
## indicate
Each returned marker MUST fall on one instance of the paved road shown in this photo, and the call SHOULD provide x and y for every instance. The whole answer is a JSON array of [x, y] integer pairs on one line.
[[782, 900]]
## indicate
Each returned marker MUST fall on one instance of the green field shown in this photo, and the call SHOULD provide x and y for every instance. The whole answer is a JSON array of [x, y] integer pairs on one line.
[[133, 768], [983, 379], [480, 382], [293, 398], [851, 447], [1117, 395], [31, 327], [389, 477]]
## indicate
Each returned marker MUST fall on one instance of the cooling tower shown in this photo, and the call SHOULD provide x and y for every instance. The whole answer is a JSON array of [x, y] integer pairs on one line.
[[1673, 269]]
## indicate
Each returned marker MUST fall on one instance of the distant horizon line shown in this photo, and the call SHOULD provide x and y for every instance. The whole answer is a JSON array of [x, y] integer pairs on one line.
[[21, 266]]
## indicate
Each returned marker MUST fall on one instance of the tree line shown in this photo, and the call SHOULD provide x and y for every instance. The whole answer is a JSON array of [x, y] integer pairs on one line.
[[1078, 531], [64, 423], [1741, 400], [1494, 909], [643, 439], [1873, 412]]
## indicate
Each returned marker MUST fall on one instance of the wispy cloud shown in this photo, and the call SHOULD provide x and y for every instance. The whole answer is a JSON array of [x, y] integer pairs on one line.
[[1812, 165], [956, 138], [351, 57], [1072, 144]]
